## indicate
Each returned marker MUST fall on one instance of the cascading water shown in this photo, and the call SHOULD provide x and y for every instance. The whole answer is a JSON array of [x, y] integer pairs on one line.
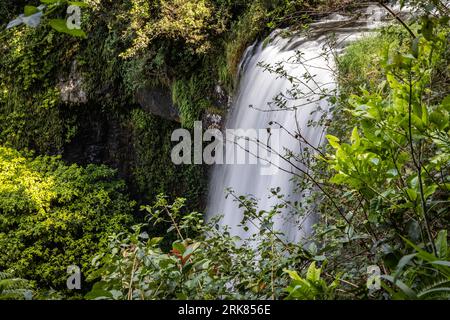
[[310, 66]]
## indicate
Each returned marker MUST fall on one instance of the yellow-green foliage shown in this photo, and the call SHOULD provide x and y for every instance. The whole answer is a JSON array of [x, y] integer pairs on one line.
[[360, 68], [185, 20], [361, 63], [29, 97], [53, 215], [244, 32]]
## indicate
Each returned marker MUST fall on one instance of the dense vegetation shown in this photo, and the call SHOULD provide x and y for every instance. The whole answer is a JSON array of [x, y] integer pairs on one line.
[[54, 215], [382, 182]]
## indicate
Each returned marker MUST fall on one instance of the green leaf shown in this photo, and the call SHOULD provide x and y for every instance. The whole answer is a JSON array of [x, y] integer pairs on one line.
[[60, 25], [99, 291], [293, 274], [439, 119], [320, 258], [190, 249], [178, 246], [313, 273], [402, 263], [334, 141], [78, 4], [428, 257], [425, 114], [446, 103], [53, 1], [441, 263], [155, 241], [441, 244], [402, 286], [355, 139], [30, 10], [430, 190], [412, 194], [339, 178], [182, 296], [165, 263], [436, 290]]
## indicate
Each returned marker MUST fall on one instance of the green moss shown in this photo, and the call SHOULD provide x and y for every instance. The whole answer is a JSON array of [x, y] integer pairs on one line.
[[153, 170], [190, 97]]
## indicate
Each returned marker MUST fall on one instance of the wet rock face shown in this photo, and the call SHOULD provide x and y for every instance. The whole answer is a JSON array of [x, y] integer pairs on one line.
[[158, 101], [221, 98], [71, 89], [212, 120], [214, 117]]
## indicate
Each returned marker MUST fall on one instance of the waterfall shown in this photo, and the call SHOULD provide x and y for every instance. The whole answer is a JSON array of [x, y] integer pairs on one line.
[[308, 59]]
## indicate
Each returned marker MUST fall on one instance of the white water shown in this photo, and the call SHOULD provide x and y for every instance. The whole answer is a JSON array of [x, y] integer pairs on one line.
[[258, 88]]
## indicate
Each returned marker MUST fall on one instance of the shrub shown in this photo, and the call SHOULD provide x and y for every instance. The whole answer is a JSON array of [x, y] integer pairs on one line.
[[390, 173], [204, 262], [53, 215]]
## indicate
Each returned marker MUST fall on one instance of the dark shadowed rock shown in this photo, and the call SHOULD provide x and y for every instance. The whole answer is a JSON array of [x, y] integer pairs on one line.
[[102, 138], [158, 101]]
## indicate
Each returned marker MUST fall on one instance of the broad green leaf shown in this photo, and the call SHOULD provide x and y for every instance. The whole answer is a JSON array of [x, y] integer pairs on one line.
[[339, 178], [430, 190], [441, 244], [441, 263], [313, 273], [155, 241], [293, 274], [334, 141], [53, 1], [446, 103], [178, 246], [402, 286], [355, 139], [30, 10], [402, 263], [60, 25], [78, 4], [412, 194]]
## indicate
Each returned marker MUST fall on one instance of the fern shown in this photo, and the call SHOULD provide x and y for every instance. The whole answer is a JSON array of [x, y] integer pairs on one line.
[[14, 288], [440, 289], [424, 275]]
